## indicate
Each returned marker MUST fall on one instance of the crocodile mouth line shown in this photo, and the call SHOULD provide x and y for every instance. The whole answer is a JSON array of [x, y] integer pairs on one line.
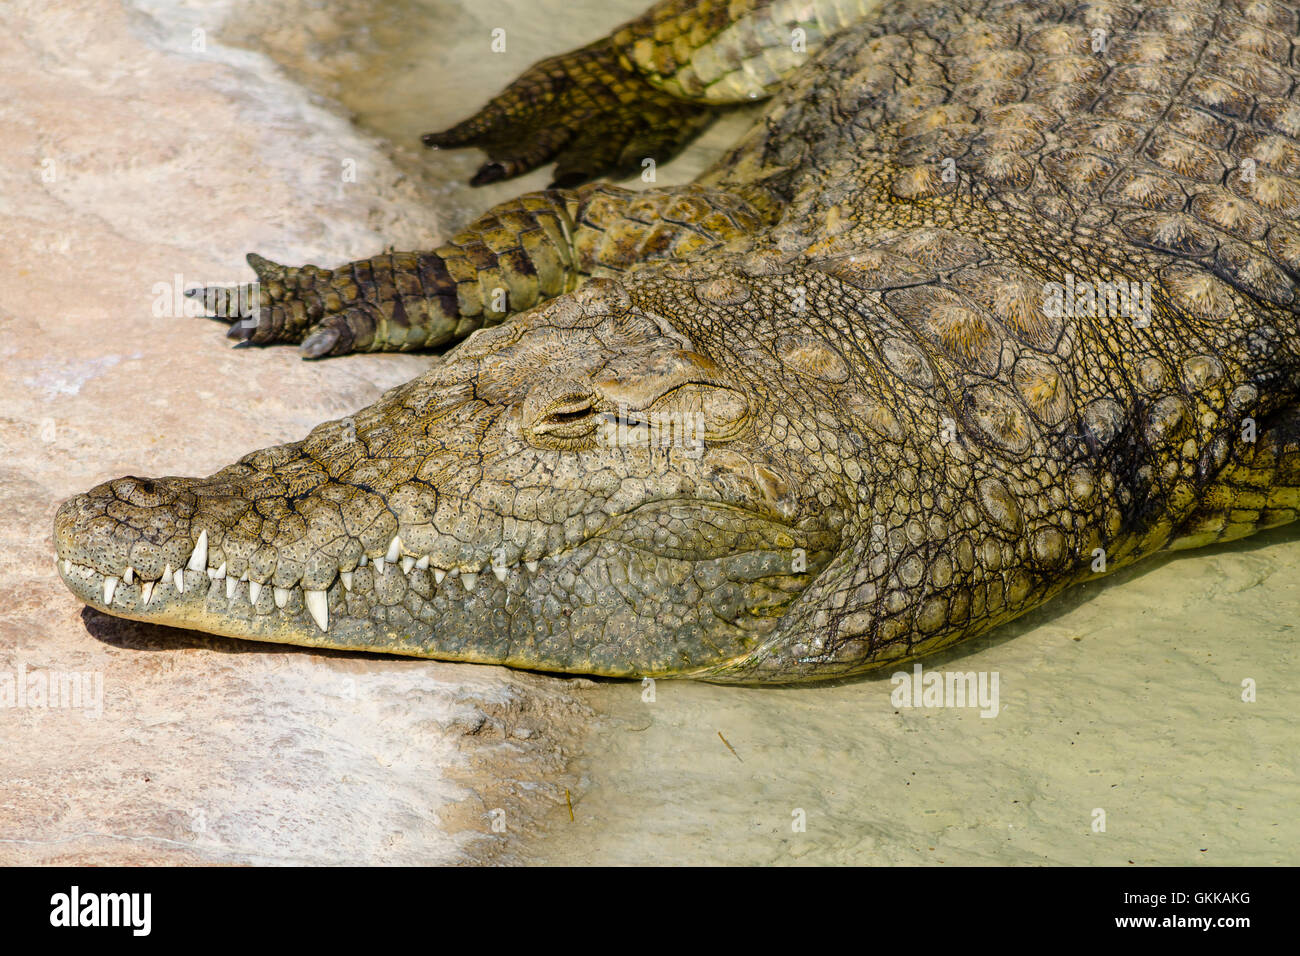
[[129, 594]]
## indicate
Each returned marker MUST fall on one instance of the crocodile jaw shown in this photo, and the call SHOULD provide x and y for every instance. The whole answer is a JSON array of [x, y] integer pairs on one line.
[[602, 607]]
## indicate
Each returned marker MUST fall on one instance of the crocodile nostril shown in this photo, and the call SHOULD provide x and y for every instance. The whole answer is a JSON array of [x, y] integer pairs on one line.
[[141, 492]]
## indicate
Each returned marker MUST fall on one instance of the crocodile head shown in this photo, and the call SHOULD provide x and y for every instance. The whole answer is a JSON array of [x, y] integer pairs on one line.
[[589, 488]]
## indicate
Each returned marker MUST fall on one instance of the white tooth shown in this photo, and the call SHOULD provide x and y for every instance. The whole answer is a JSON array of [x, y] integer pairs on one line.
[[230, 587], [531, 566], [394, 550], [146, 591], [217, 573], [110, 585], [469, 579], [129, 574], [346, 578], [67, 566], [362, 562], [167, 573], [408, 562], [438, 575], [317, 607], [254, 591], [244, 576], [379, 565], [423, 563], [281, 596], [179, 578], [499, 571], [199, 557]]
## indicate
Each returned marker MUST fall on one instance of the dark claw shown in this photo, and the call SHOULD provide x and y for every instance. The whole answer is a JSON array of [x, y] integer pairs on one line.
[[240, 332], [488, 173], [319, 343], [448, 137], [264, 267]]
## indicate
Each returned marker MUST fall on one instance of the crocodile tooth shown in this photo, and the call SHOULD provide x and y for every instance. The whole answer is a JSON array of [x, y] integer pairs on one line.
[[438, 575], [346, 578], [379, 565], [469, 579], [362, 562], [317, 607], [254, 591], [146, 591], [531, 566], [110, 585], [217, 574], [423, 563], [500, 571], [230, 586], [408, 562], [67, 566], [179, 578], [167, 573], [199, 557], [394, 550], [128, 576], [281, 596]]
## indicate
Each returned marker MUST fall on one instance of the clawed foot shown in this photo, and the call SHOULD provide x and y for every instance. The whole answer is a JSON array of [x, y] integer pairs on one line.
[[583, 110], [394, 302]]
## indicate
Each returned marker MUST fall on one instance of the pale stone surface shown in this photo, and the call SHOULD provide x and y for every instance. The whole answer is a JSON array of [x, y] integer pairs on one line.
[[130, 158]]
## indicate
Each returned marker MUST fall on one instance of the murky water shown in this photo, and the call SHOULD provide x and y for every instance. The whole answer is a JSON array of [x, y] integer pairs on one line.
[[1122, 735]]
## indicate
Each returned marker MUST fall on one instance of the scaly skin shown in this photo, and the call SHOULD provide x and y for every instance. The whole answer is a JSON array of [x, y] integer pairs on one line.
[[887, 439]]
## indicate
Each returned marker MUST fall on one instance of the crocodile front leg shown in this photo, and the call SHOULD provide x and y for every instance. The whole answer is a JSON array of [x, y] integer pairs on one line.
[[520, 253]]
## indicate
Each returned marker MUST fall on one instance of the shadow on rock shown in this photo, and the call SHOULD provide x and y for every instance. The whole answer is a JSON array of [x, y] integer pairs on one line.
[[139, 636]]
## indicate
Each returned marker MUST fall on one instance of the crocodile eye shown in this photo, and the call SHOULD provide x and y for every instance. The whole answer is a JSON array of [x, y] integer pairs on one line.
[[564, 418], [570, 417]]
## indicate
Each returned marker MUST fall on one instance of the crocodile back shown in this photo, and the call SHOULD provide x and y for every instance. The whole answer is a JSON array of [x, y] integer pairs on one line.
[[1170, 126]]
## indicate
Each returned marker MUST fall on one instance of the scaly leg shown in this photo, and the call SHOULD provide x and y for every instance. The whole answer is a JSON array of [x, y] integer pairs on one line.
[[520, 253], [1258, 486]]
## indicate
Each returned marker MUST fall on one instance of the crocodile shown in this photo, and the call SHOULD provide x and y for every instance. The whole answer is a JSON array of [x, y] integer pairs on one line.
[[994, 297]]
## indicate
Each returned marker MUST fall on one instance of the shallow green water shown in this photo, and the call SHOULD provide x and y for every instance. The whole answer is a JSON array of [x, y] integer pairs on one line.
[[1123, 697]]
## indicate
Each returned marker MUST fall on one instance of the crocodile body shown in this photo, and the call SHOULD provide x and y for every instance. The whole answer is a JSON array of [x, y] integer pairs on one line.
[[995, 297]]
